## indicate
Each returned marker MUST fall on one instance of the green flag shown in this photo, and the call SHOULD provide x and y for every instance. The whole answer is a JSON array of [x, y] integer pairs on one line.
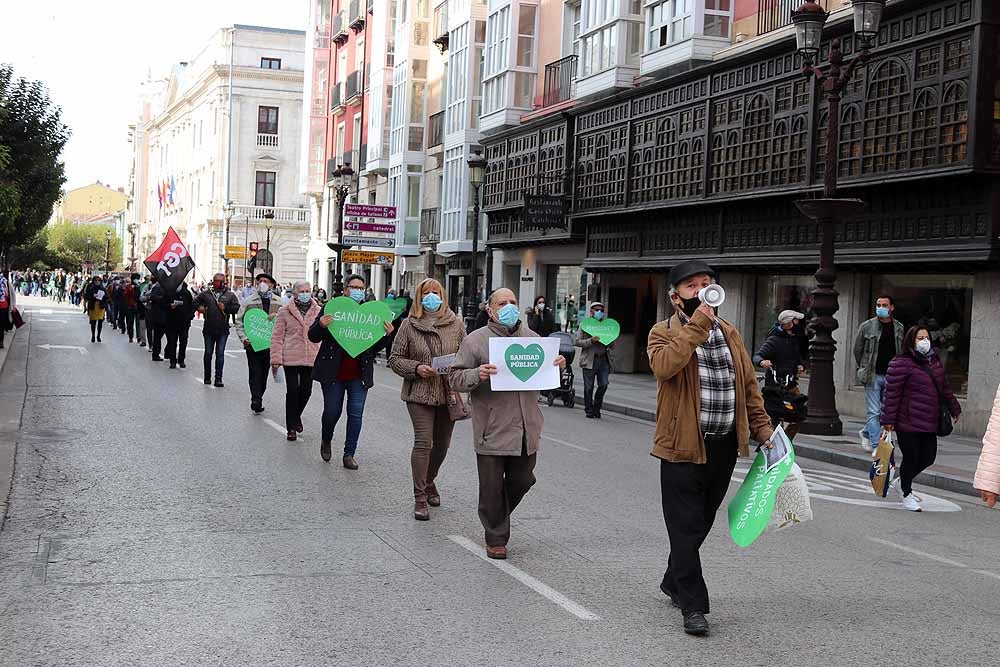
[[751, 507]]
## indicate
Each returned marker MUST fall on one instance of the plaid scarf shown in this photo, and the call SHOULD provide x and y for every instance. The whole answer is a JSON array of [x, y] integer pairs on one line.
[[717, 378], [3, 288]]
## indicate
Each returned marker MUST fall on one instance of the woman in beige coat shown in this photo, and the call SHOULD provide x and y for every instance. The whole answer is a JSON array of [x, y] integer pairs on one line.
[[431, 330], [988, 472]]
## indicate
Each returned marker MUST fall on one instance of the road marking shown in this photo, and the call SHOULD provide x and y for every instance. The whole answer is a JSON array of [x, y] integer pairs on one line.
[[987, 573], [57, 321], [564, 443], [197, 379], [534, 584], [47, 346], [917, 552], [275, 425]]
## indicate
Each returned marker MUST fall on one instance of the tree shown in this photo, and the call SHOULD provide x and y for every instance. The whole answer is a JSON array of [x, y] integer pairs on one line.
[[68, 249], [32, 137]]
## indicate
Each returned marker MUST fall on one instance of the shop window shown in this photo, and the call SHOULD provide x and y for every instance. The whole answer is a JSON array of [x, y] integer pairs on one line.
[[566, 294], [778, 293]]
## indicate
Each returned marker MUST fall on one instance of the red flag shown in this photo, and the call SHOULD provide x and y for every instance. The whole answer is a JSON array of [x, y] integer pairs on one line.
[[170, 262]]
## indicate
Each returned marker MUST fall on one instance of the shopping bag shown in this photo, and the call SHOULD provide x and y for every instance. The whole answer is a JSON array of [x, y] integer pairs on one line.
[[751, 507], [791, 502], [279, 375], [883, 469], [16, 318]]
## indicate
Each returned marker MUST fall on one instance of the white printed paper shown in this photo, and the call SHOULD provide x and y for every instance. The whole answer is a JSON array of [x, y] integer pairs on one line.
[[99, 295], [779, 452], [443, 363], [524, 363]]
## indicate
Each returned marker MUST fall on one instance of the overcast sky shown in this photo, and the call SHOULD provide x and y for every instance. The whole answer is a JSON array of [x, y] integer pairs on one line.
[[92, 56]]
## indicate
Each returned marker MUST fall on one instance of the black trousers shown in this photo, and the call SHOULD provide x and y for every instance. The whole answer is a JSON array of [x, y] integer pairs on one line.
[[259, 365], [177, 343], [131, 324], [298, 389], [919, 451], [155, 338], [691, 495], [503, 482]]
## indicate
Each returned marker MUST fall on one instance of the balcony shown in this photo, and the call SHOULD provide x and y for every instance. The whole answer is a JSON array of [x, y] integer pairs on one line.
[[337, 98], [560, 77], [441, 27], [351, 158], [775, 14], [430, 226], [340, 27], [267, 140], [353, 85], [282, 215], [357, 15], [435, 132]]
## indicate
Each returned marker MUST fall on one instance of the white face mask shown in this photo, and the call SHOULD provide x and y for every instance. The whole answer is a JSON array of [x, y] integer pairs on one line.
[[923, 346], [264, 288]]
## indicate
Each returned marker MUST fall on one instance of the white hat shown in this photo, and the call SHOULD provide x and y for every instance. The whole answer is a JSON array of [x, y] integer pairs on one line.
[[787, 315]]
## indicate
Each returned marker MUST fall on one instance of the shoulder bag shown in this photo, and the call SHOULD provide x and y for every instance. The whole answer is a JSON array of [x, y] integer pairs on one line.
[[456, 406], [945, 425]]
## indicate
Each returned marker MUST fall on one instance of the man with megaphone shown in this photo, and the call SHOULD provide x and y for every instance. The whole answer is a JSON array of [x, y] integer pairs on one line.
[[707, 406]]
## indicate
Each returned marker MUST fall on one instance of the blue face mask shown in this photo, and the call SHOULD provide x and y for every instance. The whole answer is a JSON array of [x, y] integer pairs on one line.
[[508, 315], [882, 312], [357, 294], [303, 297], [431, 302], [598, 315]]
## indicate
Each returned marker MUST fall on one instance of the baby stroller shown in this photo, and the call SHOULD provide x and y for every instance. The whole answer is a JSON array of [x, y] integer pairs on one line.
[[566, 390], [782, 400]]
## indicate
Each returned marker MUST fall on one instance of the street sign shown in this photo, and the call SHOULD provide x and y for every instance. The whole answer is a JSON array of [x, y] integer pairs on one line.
[[369, 211], [378, 227], [236, 252], [368, 257], [370, 241]]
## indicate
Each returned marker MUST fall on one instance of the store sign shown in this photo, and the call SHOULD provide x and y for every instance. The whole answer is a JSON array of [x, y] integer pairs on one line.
[[544, 211], [236, 252], [368, 257]]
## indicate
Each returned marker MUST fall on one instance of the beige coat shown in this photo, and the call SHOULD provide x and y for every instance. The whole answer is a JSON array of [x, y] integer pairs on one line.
[[501, 420], [988, 471], [251, 302], [417, 342], [589, 349], [673, 360]]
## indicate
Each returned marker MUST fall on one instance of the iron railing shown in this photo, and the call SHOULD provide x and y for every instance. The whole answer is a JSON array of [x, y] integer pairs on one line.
[[435, 129], [353, 84], [774, 14], [559, 78], [430, 225], [336, 96]]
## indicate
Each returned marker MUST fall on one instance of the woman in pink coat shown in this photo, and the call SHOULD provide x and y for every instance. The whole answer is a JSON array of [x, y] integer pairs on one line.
[[291, 349], [988, 472]]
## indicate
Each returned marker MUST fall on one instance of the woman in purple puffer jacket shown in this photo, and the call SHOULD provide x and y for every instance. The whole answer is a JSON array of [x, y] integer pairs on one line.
[[910, 407]]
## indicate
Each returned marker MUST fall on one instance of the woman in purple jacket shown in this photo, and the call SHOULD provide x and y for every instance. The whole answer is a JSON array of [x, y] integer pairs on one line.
[[915, 385]]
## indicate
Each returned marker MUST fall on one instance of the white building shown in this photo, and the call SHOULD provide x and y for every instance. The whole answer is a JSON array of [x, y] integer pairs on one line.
[[194, 170]]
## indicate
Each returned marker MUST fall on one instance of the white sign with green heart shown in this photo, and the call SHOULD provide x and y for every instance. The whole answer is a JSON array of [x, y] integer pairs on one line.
[[524, 363], [606, 330], [258, 327]]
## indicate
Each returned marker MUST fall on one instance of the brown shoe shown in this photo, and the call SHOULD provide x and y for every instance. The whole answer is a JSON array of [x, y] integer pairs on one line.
[[421, 512], [325, 450], [497, 553], [350, 463], [291, 435], [433, 497]]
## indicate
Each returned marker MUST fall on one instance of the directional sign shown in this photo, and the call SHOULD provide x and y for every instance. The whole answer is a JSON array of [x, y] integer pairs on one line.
[[369, 211], [236, 252], [370, 241], [377, 227], [368, 257]]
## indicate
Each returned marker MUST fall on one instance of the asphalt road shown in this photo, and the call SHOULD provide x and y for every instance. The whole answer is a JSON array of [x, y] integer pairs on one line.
[[157, 521]]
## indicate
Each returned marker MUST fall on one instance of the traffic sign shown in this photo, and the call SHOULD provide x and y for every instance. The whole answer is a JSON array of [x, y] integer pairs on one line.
[[369, 211], [236, 252], [368, 257], [378, 227], [370, 241]]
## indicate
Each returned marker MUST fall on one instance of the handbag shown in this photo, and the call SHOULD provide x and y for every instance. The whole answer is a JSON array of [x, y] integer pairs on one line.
[[780, 402], [944, 426], [456, 406], [15, 317]]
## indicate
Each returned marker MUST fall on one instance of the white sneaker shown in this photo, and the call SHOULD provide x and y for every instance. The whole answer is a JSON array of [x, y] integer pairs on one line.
[[865, 442], [910, 503]]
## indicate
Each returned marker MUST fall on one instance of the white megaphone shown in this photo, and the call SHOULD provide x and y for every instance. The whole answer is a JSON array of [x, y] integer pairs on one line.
[[713, 295]]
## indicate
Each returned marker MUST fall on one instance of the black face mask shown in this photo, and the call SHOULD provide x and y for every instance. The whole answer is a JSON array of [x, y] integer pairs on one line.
[[689, 306]]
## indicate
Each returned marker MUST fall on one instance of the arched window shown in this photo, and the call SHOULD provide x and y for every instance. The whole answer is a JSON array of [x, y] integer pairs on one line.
[[850, 141], [886, 125], [955, 124], [756, 149], [924, 137]]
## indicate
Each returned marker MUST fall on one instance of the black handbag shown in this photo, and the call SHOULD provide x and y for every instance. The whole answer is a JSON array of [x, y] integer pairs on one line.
[[944, 426]]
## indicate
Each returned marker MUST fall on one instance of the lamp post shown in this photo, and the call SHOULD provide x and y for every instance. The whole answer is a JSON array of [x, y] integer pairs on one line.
[[268, 224], [342, 186], [477, 172], [809, 20], [228, 210], [132, 229], [87, 261], [107, 251]]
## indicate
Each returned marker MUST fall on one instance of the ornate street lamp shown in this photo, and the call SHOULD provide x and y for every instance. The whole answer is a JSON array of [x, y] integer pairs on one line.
[[342, 176], [89, 241], [477, 173], [809, 20], [107, 251], [133, 227], [268, 224]]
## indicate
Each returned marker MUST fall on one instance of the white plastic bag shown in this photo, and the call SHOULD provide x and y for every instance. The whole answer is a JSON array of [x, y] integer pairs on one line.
[[279, 375], [791, 501]]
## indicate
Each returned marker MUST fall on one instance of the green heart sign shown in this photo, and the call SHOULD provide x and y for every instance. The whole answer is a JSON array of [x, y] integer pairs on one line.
[[357, 326], [523, 361], [607, 329], [258, 329], [397, 305], [750, 509]]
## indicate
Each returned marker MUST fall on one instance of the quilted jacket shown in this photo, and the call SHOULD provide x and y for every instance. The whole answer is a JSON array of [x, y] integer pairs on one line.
[[910, 402], [988, 471]]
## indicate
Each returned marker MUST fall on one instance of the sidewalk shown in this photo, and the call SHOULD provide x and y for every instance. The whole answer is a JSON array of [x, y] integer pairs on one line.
[[13, 360], [635, 396]]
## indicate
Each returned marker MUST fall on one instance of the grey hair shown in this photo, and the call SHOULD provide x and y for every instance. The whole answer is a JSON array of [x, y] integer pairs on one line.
[[300, 283], [673, 289]]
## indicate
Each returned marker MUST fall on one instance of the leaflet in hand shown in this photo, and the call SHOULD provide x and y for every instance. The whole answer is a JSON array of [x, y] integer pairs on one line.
[[782, 446], [443, 363], [99, 295]]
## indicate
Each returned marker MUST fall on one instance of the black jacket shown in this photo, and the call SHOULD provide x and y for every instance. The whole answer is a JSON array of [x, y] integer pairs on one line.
[[543, 324], [782, 349], [155, 311], [327, 363], [179, 317], [216, 319]]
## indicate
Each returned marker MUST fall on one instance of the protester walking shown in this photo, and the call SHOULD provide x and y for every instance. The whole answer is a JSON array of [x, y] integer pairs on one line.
[[258, 362], [130, 307], [431, 331], [781, 356], [7, 300], [339, 374], [541, 320], [878, 340], [216, 304], [987, 478], [292, 350], [596, 365], [179, 313], [96, 298], [916, 390], [707, 407], [506, 425], [156, 317]]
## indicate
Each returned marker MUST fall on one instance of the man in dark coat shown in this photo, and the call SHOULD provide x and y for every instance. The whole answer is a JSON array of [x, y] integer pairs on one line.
[[156, 317], [217, 304], [179, 312]]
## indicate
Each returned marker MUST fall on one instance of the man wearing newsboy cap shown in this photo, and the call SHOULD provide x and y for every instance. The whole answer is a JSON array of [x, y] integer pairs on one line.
[[707, 406]]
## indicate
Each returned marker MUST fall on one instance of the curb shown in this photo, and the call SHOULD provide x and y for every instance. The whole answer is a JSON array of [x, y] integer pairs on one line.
[[12, 393], [806, 450]]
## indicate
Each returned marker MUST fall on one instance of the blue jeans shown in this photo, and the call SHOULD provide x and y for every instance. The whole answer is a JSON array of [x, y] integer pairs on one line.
[[216, 344], [873, 409], [592, 402], [333, 405]]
